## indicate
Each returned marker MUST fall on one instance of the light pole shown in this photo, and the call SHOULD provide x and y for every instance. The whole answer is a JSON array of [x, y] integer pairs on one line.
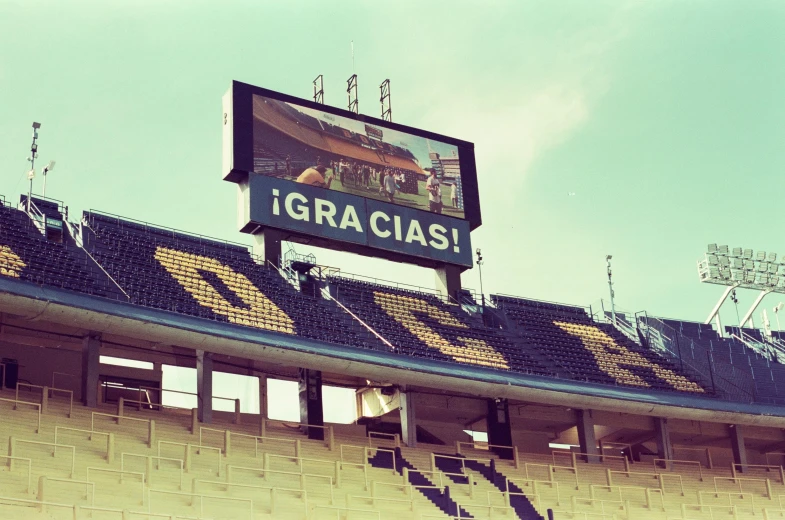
[[479, 266], [777, 310], [31, 159], [610, 288]]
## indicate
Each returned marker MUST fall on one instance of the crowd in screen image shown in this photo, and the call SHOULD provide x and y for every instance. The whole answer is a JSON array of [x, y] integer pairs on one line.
[[369, 180]]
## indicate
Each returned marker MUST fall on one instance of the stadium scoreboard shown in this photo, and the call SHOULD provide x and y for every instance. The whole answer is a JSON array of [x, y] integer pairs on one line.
[[341, 180]]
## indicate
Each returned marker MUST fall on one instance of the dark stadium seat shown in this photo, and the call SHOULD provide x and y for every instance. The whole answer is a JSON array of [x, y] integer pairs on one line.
[[27, 255], [422, 325], [590, 351], [209, 279]]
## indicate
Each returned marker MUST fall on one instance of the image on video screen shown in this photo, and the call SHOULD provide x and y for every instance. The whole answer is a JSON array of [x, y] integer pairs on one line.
[[337, 153]]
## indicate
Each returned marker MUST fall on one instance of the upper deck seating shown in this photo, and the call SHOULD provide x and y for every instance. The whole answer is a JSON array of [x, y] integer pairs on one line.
[[27, 255], [594, 352], [423, 325], [219, 281]]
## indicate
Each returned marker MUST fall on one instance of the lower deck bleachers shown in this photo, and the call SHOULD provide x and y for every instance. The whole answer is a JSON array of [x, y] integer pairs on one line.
[[90, 466]]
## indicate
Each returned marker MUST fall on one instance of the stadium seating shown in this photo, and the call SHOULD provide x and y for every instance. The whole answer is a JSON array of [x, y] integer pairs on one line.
[[422, 325], [27, 255], [219, 281], [589, 351], [114, 462], [751, 372]]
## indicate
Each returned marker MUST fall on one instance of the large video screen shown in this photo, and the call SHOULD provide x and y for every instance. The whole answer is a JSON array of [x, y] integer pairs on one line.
[[332, 178], [317, 148]]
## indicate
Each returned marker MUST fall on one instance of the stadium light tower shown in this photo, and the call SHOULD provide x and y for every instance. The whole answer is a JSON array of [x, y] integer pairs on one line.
[[31, 160], [742, 268], [610, 287]]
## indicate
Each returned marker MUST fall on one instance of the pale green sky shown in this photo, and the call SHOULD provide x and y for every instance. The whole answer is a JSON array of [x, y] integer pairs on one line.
[[665, 118]]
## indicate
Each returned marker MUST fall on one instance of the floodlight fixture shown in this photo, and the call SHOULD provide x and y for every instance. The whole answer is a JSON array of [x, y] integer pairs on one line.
[[36, 126], [736, 251], [722, 250], [749, 276], [747, 254], [712, 248], [608, 258], [760, 256], [48, 168], [779, 307], [772, 257]]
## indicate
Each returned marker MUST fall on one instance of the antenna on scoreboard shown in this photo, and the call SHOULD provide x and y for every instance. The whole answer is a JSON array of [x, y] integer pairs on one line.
[[385, 100], [318, 89], [351, 90]]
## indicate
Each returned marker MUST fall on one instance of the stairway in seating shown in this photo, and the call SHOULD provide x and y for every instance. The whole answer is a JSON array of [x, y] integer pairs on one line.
[[452, 467], [384, 459]]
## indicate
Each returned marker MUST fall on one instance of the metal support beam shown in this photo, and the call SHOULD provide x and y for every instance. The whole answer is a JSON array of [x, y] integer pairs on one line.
[[351, 90], [408, 419], [91, 354], [311, 403], [737, 447], [586, 437], [663, 438], [499, 428], [204, 386], [385, 100], [748, 316], [719, 303], [318, 89]]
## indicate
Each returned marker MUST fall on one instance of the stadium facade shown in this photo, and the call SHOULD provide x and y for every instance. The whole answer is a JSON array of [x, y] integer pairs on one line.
[[586, 414]]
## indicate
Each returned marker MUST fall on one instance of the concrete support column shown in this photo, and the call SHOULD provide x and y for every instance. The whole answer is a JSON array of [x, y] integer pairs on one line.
[[267, 245], [204, 386], [448, 280], [663, 437], [499, 428], [311, 404], [408, 419], [586, 438], [91, 353], [737, 447]]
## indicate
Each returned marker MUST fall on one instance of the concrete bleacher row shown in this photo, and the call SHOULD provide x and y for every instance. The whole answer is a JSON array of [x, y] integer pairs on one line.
[[118, 462]]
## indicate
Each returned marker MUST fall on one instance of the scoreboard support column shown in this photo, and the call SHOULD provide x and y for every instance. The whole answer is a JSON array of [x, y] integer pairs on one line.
[[448, 280], [204, 386], [267, 245]]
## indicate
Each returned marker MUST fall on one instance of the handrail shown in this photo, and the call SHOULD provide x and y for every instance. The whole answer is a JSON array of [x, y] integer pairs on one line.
[[29, 461], [13, 442], [101, 267], [149, 464], [45, 390], [121, 472], [17, 401], [327, 294]]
